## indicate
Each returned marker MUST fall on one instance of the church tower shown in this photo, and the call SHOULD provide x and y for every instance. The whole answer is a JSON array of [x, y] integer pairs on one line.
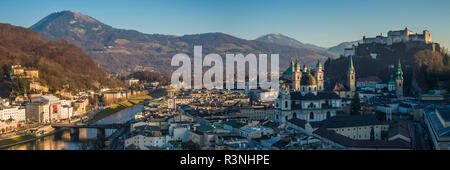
[[351, 75], [319, 76], [171, 104], [296, 76], [399, 81]]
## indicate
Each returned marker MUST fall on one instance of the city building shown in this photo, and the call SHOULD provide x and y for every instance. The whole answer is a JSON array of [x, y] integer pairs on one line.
[[132, 81], [17, 71], [306, 99], [438, 125], [254, 132], [257, 112], [347, 89], [14, 113]]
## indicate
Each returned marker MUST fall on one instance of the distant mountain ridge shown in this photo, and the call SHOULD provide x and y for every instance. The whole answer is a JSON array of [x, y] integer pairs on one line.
[[124, 51], [281, 39], [339, 49]]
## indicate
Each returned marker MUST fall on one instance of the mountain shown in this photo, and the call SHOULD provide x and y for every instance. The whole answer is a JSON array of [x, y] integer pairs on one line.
[[280, 39], [59, 63], [339, 49], [124, 51]]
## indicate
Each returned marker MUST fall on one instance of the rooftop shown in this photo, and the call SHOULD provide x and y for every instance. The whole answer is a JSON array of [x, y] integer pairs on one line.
[[438, 127], [255, 128], [352, 143], [348, 121]]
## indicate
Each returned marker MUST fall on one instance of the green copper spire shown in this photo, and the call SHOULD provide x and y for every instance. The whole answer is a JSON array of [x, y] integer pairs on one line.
[[297, 65], [319, 65], [350, 64], [399, 70]]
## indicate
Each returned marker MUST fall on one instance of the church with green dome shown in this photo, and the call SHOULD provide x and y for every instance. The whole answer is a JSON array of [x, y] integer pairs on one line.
[[303, 97]]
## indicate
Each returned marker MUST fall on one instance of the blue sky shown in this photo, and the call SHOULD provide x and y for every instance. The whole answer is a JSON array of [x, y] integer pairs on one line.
[[321, 22]]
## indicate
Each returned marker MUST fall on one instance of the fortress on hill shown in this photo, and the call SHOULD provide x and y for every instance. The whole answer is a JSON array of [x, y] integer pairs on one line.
[[369, 45], [398, 36]]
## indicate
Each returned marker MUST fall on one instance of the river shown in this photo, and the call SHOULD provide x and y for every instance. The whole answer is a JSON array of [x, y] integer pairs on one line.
[[62, 140]]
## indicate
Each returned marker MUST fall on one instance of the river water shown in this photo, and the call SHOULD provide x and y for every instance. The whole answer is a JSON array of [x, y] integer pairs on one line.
[[62, 140]]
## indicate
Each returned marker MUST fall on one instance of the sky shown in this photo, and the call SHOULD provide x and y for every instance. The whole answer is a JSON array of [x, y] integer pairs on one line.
[[321, 22]]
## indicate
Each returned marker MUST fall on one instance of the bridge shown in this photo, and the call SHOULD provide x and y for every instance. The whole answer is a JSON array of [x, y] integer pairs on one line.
[[101, 134], [91, 126]]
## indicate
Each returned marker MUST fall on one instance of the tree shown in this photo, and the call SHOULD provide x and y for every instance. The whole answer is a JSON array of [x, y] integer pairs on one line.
[[355, 105], [6, 71]]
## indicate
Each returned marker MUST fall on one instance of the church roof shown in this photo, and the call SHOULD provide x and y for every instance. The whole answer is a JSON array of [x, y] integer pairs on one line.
[[350, 63], [399, 70], [311, 96], [339, 87], [318, 63], [308, 80], [297, 64], [288, 71]]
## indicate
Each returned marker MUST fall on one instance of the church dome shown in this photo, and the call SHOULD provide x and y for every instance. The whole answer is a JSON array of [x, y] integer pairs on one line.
[[308, 80]]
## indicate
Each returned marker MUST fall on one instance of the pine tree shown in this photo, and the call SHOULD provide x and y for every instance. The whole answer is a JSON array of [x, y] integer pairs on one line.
[[355, 105]]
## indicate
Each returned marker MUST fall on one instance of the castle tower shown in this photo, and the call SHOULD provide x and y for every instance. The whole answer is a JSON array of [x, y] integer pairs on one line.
[[399, 81], [296, 76], [427, 36], [351, 76], [319, 76]]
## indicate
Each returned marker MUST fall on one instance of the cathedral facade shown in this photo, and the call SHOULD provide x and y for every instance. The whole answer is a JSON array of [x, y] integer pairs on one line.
[[305, 98]]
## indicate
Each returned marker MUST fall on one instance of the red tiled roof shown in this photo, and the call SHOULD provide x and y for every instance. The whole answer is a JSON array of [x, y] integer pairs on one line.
[[399, 127], [339, 87]]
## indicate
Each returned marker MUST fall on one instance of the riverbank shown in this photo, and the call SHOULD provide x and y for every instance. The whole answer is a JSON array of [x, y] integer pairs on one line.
[[6, 143], [98, 116], [118, 107]]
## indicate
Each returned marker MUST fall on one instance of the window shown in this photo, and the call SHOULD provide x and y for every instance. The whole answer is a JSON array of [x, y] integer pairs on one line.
[[328, 114], [311, 116], [285, 104]]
